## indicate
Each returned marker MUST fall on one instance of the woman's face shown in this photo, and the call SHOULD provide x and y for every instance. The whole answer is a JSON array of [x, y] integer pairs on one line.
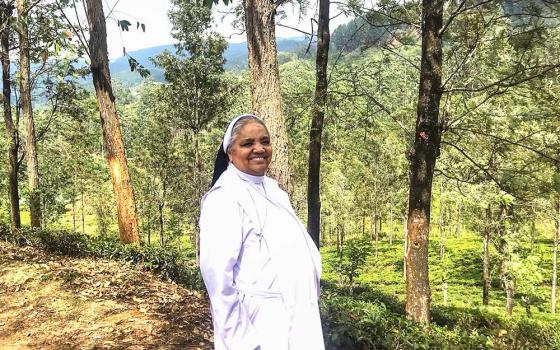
[[251, 151]]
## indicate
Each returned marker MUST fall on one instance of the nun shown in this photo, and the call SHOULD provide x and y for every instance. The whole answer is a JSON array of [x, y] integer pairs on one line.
[[259, 265]]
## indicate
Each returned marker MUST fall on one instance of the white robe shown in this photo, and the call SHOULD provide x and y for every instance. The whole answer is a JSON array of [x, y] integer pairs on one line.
[[260, 267]]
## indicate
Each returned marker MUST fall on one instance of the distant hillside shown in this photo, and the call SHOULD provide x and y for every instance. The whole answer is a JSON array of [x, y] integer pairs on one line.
[[235, 55]]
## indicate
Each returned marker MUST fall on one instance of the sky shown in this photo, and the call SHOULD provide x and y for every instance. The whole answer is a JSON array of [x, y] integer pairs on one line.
[[158, 29]]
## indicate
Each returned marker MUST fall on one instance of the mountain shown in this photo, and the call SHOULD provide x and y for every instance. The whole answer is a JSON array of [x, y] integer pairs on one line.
[[235, 55]]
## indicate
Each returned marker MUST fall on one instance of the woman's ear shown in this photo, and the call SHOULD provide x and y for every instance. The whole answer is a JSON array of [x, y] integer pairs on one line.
[[229, 157]]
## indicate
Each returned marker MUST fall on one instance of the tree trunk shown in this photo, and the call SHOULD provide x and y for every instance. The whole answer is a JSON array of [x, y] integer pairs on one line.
[[112, 139], [74, 208], [459, 214], [161, 205], [338, 246], [442, 226], [149, 227], [486, 258], [375, 233], [555, 258], [405, 245], [197, 189], [265, 82], [509, 285], [533, 234], [507, 278], [340, 239], [83, 210], [12, 134], [422, 163], [27, 109], [391, 224], [317, 119]]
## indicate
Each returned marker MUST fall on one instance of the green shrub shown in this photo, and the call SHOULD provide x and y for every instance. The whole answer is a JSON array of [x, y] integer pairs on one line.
[[168, 262]]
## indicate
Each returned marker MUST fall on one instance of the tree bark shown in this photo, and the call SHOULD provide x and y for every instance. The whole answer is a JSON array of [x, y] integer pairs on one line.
[[317, 120], [509, 285], [391, 224], [405, 245], [265, 82], [555, 258], [486, 258], [459, 214], [83, 210], [442, 227], [112, 139], [161, 205], [74, 207], [422, 163], [533, 234], [376, 233], [11, 129], [27, 110], [507, 278]]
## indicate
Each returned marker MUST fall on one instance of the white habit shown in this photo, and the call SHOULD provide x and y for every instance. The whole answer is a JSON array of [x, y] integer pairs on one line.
[[260, 267]]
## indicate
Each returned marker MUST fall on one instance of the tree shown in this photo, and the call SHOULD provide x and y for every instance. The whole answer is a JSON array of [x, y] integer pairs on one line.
[[27, 109], [265, 81], [12, 133], [317, 120], [198, 93], [422, 163], [112, 138]]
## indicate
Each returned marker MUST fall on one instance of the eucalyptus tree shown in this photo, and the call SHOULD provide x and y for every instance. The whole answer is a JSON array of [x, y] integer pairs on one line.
[[260, 26], [10, 125], [23, 9], [94, 46]]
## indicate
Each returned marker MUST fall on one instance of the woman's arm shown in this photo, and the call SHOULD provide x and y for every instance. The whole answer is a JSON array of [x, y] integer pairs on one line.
[[221, 238]]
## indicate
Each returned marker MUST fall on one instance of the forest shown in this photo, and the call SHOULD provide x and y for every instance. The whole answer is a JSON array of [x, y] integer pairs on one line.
[[419, 141]]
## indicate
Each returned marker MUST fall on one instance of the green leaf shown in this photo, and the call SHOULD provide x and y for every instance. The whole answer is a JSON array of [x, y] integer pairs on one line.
[[124, 24]]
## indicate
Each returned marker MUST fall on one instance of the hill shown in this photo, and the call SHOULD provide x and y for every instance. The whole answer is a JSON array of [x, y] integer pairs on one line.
[[235, 55]]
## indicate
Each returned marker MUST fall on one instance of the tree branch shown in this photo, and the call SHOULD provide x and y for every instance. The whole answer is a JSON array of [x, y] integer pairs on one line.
[[478, 166], [515, 143]]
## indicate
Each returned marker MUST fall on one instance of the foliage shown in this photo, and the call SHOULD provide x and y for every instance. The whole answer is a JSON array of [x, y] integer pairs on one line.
[[352, 260], [355, 324], [169, 262]]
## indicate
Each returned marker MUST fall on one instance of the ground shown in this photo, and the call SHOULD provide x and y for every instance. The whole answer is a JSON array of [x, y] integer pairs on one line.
[[54, 302]]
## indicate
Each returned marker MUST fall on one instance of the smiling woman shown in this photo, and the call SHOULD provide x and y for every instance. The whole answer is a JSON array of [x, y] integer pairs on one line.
[[260, 267], [250, 149]]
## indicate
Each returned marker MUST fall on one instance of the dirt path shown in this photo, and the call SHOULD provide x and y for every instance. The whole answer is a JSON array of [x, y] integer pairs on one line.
[[53, 302]]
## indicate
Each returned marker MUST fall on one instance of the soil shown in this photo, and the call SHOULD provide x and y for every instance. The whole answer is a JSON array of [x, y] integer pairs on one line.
[[54, 302]]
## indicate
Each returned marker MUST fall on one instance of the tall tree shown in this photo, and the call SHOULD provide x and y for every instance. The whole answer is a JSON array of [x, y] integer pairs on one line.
[[422, 158], [553, 293], [317, 120], [112, 138], [12, 133], [27, 110], [265, 81], [198, 93]]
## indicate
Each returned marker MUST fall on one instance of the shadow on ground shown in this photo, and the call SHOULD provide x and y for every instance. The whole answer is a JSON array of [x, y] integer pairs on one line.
[[54, 302]]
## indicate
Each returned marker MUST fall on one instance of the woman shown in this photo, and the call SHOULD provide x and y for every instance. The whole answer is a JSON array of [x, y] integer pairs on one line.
[[259, 265]]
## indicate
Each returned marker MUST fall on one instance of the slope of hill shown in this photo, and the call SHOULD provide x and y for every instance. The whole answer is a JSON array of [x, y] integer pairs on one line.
[[235, 55]]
